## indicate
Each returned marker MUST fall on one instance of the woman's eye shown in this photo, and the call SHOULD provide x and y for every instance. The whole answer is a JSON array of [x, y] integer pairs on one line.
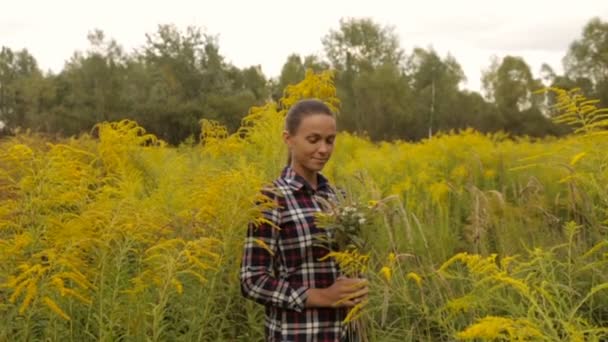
[[313, 140]]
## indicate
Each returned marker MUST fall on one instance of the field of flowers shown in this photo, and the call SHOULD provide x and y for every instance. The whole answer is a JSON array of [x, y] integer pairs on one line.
[[114, 236]]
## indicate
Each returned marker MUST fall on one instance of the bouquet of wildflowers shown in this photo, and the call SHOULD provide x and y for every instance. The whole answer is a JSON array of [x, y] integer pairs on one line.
[[346, 220]]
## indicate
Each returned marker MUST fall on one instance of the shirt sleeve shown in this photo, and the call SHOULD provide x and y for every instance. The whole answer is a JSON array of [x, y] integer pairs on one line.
[[257, 274]]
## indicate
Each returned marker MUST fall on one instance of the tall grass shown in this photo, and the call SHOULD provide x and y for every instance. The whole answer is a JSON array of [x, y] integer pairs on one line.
[[119, 237]]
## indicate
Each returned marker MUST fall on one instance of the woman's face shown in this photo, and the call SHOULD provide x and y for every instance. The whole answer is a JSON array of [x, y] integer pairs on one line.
[[312, 143]]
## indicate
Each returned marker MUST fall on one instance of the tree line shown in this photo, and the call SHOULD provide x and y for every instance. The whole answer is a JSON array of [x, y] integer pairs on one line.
[[176, 78]]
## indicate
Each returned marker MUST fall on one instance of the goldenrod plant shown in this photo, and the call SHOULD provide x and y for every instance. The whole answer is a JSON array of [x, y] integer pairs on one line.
[[114, 235]]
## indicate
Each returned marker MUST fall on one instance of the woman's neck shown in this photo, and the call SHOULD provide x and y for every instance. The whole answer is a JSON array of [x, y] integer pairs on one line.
[[309, 176]]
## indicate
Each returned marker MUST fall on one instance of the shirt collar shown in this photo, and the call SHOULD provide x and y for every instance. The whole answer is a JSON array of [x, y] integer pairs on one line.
[[297, 182]]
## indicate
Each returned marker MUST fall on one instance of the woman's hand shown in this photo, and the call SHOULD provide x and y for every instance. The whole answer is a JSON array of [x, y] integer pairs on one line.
[[344, 292]]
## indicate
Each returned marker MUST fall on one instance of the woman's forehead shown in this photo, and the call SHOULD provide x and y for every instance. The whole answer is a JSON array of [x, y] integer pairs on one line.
[[321, 123]]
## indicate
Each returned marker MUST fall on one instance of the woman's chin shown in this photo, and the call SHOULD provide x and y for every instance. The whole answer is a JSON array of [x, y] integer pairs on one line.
[[318, 165]]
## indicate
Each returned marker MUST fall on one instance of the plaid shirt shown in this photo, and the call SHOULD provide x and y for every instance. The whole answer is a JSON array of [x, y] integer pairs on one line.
[[279, 273]]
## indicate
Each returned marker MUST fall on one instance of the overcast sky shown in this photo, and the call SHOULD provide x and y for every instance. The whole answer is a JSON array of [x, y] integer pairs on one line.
[[265, 32]]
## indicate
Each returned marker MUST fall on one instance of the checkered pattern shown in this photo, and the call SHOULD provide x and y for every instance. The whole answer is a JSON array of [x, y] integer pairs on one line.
[[278, 274]]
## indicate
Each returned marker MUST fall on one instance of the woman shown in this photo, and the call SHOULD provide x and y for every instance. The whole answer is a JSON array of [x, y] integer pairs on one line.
[[306, 299]]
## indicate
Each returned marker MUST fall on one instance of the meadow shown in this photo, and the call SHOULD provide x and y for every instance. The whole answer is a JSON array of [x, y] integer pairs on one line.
[[115, 236]]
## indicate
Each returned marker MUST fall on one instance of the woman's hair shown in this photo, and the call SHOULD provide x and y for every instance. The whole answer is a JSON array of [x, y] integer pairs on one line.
[[301, 109]]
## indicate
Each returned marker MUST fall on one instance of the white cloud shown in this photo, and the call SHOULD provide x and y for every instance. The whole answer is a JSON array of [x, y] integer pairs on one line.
[[266, 32]]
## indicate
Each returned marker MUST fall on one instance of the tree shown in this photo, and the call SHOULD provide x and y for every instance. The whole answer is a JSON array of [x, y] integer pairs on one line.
[[370, 79], [19, 93], [510, 85], [189, 80], [472, 110], [294, 70], [587, 59], [381, 104], [435, 83], [92, 87], [362, 44]]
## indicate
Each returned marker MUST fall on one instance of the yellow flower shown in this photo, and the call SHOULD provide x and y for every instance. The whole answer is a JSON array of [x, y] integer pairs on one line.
[[489, 174], [354, 312], [402, 187], [55, 308], [392, 258], [352, 263], [576, 158], [492, 327], [452, 260], [179, 287], [439, 191], [459, 304], [264, 245], [32, 289], [506, 261], [415, 277], [459, 172], [386, 272], [515, 283]]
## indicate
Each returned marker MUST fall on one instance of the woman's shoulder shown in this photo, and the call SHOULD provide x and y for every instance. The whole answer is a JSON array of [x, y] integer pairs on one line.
[[275, 190]]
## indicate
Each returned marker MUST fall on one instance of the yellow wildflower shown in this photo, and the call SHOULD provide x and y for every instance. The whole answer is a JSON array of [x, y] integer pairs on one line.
[[32, 289], [386, 272], [492, 327], [576, 158], [179, 287], [415, 277], [55, 308]]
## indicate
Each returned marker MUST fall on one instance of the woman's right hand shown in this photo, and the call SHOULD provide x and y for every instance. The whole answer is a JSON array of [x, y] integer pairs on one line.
[[344, 292]]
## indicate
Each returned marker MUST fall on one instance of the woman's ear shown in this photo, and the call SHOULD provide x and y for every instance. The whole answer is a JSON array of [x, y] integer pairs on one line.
[[287, 138]]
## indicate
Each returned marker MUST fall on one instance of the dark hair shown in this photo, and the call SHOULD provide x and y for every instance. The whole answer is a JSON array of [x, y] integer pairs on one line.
[[301, 109]]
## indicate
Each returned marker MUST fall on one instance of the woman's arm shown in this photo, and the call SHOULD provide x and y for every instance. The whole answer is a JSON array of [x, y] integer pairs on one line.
[[257, 279]]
